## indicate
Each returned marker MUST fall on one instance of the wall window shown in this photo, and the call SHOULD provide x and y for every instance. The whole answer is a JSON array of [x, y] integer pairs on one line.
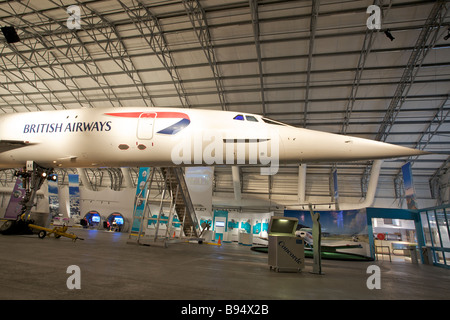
[[436, 228]]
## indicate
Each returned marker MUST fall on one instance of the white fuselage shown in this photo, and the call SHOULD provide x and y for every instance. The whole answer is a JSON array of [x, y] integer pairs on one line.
[[125, 137]]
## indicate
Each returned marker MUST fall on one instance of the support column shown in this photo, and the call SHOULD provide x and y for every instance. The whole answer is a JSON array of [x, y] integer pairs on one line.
[[84, 178], [302, 183], [127, 177], [236, 182]]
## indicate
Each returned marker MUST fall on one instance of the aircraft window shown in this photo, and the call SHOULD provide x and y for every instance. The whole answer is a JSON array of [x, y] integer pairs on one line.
[[251, 118], [274, 122], [239, 117]]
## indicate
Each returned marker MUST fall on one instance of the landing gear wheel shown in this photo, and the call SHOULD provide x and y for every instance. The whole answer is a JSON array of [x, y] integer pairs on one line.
[[42, 234]]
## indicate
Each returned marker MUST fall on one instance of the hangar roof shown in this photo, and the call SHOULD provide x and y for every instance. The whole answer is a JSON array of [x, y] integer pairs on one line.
[[313, 64]]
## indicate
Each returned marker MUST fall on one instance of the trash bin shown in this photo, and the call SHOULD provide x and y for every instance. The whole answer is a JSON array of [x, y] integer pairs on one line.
[[286, 254]]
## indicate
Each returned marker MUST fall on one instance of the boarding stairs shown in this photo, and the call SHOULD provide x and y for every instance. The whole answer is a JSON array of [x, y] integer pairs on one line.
[[165, 197], [182, 200]]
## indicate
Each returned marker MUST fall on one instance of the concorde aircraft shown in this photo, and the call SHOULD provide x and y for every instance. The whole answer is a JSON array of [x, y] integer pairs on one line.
[[39, 142], [126, 137]]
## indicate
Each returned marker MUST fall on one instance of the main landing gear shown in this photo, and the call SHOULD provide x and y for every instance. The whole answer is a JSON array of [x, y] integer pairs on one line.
[[33, 176]]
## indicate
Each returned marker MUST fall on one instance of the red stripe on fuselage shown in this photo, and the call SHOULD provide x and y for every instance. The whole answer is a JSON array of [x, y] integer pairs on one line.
[[164, 114], [125, 114]]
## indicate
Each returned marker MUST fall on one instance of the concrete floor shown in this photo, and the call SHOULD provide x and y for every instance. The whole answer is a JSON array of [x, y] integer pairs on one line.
[[33, 268]]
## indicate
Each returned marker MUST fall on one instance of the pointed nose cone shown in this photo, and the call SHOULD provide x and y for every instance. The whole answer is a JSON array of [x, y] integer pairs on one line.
[[370, 149], [316, 146]]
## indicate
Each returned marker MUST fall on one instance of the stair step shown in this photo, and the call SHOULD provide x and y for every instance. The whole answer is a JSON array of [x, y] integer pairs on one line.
[[173, 179]]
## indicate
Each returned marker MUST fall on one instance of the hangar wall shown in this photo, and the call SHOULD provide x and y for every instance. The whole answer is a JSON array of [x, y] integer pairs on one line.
[[283, 188]]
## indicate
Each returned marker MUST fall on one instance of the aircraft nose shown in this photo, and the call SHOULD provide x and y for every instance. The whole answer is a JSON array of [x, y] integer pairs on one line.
[[316, 146]]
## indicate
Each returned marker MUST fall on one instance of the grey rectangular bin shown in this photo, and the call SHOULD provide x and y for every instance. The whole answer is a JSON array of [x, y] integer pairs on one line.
[[286, 253]]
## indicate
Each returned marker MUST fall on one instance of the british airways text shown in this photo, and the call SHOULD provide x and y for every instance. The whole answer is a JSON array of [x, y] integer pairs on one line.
[[67, 127]]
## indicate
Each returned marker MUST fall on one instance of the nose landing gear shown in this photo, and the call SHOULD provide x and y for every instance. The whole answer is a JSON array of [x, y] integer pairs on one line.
[[32, 179]]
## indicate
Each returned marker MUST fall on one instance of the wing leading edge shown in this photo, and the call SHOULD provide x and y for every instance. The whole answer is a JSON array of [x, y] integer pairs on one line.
[[7, 145]]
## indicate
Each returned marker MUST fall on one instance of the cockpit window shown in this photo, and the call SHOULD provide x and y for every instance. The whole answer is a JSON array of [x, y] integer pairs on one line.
[[239, 117], [251, 118], [270, 121]]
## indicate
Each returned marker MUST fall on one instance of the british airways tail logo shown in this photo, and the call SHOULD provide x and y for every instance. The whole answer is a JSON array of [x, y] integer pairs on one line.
[[170, 130]]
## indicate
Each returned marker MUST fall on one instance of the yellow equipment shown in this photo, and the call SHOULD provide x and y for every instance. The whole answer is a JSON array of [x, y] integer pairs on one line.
[[57, 231]]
